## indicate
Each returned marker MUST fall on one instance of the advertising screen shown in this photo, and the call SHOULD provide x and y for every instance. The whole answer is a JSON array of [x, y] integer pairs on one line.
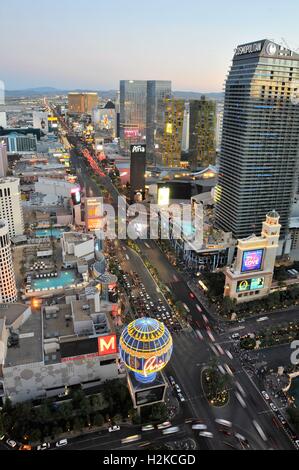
[[152, 395], [256, 283], [76, 350], [76, 196], [163, 196], [131, 133], [94, 214], [252, 260]]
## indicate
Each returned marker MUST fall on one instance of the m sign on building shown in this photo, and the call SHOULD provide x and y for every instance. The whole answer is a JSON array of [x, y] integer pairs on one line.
[[107, 345]]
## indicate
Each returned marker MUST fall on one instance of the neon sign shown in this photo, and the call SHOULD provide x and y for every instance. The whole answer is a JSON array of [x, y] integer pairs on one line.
[[153, 364], [251, 284], [252, 260], [131, 133]]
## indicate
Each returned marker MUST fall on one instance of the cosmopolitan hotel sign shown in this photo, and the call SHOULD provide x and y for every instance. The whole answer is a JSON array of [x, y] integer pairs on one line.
[[249, 48]]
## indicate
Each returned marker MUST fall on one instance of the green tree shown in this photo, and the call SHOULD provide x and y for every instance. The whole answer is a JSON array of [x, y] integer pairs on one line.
[[78, 424], [158, 412], [35, 436], [65, 411], [117, 419], [98, 420]]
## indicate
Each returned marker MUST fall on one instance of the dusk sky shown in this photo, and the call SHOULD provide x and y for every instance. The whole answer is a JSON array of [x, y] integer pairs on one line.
[[93, 44]]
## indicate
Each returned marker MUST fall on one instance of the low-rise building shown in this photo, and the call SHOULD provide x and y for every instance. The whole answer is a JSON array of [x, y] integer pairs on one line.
[[77, 250], [65, 345]]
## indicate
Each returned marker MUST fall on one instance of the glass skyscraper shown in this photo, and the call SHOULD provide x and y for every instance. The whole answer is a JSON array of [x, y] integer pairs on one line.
[[157, 92], [260, 137], [142, 112], [133, 106], [202, 133]]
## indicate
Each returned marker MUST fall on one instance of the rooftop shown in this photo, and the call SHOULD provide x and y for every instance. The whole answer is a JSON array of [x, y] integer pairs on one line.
[[30, 348], [58, 323]]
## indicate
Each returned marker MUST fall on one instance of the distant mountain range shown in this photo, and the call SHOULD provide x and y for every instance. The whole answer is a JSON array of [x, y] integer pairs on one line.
[[50, 91]]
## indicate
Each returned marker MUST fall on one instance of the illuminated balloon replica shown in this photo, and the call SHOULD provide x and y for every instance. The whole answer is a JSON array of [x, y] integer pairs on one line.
[[145, 348]]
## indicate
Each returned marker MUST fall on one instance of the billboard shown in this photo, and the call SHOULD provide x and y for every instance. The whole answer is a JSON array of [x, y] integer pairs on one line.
[[163, 196], [93, 213], [78, 349], [177, 190], [131, 133], [88, 348], [52, 123], [256, 283], [76, 196], [107, 345], [252, 260]]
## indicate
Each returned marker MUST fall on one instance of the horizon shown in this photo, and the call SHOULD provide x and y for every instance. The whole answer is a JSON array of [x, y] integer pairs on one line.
[[192, 45]]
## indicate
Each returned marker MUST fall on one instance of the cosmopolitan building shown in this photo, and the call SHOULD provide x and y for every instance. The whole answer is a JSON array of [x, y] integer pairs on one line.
[[260, 137]]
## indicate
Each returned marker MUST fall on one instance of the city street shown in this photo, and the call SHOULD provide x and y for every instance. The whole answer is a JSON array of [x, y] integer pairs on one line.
[[195, 353]]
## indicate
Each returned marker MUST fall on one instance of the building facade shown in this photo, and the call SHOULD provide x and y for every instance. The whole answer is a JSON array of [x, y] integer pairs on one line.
[[202, 133], [3, 160], [17, 143], [82, 103], [260, 137], [171, 140], [8, 288], [250, 277], [10, 205], [157, 92]]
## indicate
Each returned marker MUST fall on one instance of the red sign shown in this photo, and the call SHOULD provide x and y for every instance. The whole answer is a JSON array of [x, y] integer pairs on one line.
[[107, 345], [79, 358]]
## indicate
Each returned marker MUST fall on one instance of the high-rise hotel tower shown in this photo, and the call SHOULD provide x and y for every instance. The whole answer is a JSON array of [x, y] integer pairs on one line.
[[260, 137], [8, 288]]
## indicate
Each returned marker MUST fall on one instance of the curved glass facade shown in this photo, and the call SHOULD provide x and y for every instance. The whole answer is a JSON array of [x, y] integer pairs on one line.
[[260, 137]]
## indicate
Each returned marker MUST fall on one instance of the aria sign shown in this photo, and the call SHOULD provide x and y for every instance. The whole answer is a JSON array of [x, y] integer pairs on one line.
[[138, 148], [249, 48]]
